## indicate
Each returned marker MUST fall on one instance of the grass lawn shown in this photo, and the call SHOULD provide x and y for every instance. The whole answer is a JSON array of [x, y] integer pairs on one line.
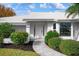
[[16, 52]]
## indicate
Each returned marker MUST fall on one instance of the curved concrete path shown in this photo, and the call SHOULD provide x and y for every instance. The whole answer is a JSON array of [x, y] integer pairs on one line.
[[42, 49]]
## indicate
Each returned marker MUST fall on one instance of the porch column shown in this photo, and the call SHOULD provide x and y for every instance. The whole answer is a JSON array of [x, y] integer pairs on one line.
[[72, 31], [49, 26], [28, 28], [58, 27]]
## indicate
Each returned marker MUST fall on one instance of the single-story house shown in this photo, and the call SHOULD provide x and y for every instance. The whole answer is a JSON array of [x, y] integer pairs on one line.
[[37, 24]]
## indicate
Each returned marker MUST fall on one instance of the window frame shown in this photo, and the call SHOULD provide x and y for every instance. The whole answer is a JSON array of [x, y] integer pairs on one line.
[[65, 33]]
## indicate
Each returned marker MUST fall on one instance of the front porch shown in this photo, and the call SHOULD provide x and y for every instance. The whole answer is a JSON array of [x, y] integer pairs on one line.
[[38, 29]]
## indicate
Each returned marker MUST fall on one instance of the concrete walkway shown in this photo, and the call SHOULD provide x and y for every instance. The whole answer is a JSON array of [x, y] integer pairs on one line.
[[42, 49]]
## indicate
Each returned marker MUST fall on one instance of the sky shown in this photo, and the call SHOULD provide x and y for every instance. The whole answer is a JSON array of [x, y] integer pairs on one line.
[[26, 8]]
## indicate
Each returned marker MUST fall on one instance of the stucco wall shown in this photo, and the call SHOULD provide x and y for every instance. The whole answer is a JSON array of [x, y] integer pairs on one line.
[[76, 30], [50, 27], [35, 26], [20, 28], [32, 29]]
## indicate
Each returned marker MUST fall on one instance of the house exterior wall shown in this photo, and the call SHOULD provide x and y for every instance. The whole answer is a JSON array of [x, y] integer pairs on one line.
[[28, 28], [21, 25], [20, 28], [58, 27], [32, 25], [32, 29], [50, 27], [76, 30], [72, 34], [39, 28]]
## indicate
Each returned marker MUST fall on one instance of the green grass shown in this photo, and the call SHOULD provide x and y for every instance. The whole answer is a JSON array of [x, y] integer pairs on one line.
[[16, 52]]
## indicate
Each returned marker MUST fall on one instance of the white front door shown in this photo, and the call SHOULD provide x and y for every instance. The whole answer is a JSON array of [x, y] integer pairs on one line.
[[39, 30]]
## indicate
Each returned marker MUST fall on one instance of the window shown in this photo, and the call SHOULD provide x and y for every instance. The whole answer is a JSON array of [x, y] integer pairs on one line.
[[65, 29], [54, 26]]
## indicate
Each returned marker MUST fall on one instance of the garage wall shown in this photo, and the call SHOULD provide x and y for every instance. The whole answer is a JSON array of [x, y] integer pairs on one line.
[[20, 28]]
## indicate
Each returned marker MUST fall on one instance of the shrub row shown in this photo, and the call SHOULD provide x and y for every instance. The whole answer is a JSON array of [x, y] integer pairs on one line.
[[7, 30], [1, 41], [17, 38], [54, 43], [68, 47]]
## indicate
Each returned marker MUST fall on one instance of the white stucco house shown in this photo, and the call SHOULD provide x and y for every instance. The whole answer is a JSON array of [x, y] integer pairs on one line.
[[37, 24]]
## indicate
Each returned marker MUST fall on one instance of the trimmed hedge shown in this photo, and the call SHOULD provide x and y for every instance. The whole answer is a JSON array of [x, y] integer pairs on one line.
[[1, 41], [19, 37], [50, 34], [6, 29], [69, 47], [54, 43]]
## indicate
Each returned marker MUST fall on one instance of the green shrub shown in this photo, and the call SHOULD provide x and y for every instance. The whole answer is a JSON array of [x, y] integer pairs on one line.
[[1, 41], [6, 29], [69, 47], [54, 43], [50, 35], [19, 37]]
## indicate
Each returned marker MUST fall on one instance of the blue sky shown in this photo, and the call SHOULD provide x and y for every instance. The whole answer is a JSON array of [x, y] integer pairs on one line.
[[25, 8]]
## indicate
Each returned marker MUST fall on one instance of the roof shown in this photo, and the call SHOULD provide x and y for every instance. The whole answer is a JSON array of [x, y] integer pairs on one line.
[[37, 16], [15, 20], [50, 16]]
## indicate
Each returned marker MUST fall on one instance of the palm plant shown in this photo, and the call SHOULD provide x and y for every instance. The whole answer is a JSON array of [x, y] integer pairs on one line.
[[73, 10]]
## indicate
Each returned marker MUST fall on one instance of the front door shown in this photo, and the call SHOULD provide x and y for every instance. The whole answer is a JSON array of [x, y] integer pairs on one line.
[[39, 30]]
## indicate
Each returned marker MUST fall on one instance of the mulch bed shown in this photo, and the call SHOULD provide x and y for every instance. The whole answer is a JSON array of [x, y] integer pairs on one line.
[[27, 46]]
